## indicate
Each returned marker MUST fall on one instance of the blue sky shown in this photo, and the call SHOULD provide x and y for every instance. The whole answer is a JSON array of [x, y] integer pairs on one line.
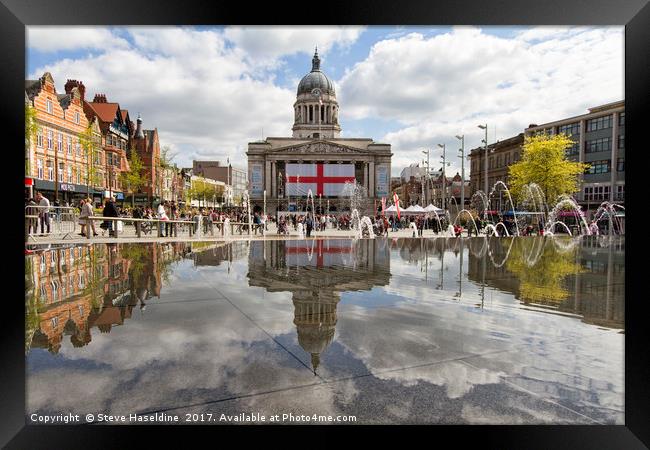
[[211, 90]]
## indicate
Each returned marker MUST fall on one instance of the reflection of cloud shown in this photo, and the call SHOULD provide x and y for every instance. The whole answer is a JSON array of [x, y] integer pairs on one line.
[[177, 354], [456, 377]]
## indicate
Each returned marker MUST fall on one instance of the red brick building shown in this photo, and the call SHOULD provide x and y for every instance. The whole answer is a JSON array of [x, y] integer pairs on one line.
[[57, 162], [116, 128], [147, 144]]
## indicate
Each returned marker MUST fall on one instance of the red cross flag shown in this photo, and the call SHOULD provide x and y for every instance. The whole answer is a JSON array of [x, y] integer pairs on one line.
[[319, 253], [322, 179]]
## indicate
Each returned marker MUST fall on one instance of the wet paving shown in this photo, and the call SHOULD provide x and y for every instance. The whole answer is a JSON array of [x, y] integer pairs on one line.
[[526, 330]]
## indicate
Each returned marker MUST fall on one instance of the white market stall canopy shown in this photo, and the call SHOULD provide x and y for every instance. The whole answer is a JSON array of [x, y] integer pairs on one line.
[[414, 209], [435, 209]]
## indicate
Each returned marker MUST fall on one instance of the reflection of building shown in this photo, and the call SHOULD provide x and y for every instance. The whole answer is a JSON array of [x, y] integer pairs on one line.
[[597, 293], [316, 272], [72, 289], [316, 158], [213, 254]]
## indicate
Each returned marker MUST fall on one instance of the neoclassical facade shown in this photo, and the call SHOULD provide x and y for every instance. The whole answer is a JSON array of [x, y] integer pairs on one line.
[[286, 168]]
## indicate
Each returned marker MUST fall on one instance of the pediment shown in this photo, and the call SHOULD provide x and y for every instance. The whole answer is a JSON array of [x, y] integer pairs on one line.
[[319, 147]]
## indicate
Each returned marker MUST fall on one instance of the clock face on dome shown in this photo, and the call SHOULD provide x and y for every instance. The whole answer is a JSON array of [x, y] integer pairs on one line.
[[316, 92]]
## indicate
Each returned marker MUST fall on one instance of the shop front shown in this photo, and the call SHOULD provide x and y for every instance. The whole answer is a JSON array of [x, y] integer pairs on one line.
[[67, 192]]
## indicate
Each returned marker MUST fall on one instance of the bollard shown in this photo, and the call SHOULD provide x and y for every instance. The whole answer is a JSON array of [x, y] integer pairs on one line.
[[138, 228]]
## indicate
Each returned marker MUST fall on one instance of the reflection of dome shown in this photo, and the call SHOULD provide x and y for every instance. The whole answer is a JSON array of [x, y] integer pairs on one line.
[[316, 79], [315, 319]]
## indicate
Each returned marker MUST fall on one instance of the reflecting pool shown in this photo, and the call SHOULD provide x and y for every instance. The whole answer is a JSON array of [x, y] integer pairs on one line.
[[456, 330]]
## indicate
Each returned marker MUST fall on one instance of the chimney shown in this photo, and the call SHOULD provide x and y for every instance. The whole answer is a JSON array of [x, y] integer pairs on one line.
[[71, 84], [100, 98], [138, 131]]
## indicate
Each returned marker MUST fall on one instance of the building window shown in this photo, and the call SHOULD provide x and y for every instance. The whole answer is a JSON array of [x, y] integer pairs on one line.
[[50, 170], [78, 176], [69, 146], [599, 167], [60, 143], [620, 165], [77, 148], [55, 320], [596, 193], [60, 173], [39, 139], [50, 139], [39, 165], [49, 106], [620, 192], [572, 129], [77, 118], [621, 141], [516, 157], [599, 123], [70, 174], [598, 145], [621, 118]]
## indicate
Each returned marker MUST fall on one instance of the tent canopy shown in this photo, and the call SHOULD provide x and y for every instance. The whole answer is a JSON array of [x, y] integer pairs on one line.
[[414, 209], [433, 208]]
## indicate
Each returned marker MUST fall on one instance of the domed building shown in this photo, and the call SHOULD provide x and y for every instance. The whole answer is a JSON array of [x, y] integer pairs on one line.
[[316, 158], [316, 108]]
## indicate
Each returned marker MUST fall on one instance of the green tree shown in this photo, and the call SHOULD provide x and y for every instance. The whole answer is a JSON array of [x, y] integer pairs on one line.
[[91, 144], [136, 177], [544, 162], [31, 129]]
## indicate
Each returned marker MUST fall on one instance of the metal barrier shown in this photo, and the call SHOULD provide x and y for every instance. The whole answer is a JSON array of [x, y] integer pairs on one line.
[[49, 221], [63, 222]]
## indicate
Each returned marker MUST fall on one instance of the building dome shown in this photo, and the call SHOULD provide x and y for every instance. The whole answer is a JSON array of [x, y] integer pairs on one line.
[[316, 79]]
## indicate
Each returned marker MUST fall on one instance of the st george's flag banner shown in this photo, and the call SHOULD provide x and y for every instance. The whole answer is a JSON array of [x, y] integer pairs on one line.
[[321, 179]]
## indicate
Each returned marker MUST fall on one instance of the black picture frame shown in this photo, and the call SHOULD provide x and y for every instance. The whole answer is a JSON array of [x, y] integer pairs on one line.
[[633, 14]]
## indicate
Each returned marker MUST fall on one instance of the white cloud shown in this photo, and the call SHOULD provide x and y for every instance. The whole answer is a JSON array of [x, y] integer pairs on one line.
[[210, 92], [263, 42], [448, 84], [207, 98], [57, 38]]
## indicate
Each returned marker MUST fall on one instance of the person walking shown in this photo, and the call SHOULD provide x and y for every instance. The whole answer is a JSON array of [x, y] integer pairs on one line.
[[87, 211], [43, 212], [161, 215], [110, 211], [32, 223], [309, 225]]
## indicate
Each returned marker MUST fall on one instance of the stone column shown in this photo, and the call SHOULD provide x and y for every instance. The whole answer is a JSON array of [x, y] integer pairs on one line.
[[267, 177], [614, 156], [371, 188], [274, 180], [365, 176]]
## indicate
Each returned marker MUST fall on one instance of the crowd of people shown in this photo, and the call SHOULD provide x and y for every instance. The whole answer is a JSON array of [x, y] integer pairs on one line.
[[212, 220]]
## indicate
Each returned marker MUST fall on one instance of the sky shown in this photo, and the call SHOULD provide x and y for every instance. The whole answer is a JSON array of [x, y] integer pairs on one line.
[[212, 90]]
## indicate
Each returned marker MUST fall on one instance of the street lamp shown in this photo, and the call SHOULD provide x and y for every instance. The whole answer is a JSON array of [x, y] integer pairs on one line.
[[462, 170], [485, 172], [444, 178], [426, 152]]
